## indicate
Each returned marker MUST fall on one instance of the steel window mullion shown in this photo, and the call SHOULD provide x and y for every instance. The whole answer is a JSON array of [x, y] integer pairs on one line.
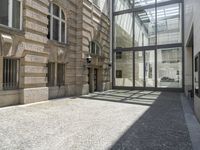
[[144, 69], [146, 7], [133, 53], [183, 41], [156, 42]]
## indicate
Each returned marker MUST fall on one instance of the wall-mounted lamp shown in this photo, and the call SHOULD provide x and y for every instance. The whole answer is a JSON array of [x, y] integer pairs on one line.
[[89, 59], [110, 64]]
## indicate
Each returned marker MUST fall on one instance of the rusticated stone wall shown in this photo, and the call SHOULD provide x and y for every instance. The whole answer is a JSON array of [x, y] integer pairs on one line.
[[85, 22]]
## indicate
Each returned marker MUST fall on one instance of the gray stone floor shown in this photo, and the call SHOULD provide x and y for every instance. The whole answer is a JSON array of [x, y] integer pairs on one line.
[[116, 119]]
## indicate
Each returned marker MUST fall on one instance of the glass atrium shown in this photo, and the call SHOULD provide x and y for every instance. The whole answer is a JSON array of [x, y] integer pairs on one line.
[[148, 44]]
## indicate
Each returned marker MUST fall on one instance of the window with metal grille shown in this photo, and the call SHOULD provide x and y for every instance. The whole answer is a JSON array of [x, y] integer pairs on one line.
[[10, 73], [60, 74], [51, 74]]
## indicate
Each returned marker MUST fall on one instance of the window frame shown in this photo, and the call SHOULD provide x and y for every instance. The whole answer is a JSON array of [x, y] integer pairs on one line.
[[96, 45], [60, 20], [10, 15]]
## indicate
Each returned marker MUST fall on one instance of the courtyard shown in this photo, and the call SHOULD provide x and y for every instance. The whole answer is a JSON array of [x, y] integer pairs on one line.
[[115, 119]]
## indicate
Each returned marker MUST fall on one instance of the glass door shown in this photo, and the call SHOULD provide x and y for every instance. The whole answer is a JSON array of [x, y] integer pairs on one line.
[[139, 69], [150, 68], [145, 68]]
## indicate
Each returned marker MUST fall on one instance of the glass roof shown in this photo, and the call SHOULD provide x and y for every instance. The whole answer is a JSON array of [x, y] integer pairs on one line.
[[168, 17]]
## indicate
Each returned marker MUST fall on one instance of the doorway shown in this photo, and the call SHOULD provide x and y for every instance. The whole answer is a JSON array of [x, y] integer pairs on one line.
[[145, 68], [93, 79]]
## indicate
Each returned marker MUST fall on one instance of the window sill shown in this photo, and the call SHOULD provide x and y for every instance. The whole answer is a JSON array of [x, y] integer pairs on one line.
[[60, 44], [12, 31]]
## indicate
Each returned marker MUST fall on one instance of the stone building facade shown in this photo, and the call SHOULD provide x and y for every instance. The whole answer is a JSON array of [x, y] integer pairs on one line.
[[49, 51]]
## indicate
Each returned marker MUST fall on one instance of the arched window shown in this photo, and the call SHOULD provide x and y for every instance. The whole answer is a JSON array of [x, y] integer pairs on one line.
[[11, 13], [95, 48], [57, 25]]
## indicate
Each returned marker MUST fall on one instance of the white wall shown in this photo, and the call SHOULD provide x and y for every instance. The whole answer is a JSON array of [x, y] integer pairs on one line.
[[192, 11]]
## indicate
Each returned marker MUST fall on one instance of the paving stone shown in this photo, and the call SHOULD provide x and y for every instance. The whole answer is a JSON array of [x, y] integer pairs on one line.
[[94, 123]]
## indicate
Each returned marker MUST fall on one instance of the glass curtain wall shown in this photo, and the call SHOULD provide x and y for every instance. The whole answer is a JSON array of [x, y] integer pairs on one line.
[[147, 44]]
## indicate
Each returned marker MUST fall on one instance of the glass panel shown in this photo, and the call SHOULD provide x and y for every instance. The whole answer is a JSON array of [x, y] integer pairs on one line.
[[96, 2], [4, 12], [139, 69], [169, 24], [123, 31], [122, 4], [49, 27], [55, 29], [169, 67], [124, 75], [63, 15], [145, 28], [16, 14], [55, 10], [97, 49], [93, 47], [139, 3], [150, 68], [63, 32]]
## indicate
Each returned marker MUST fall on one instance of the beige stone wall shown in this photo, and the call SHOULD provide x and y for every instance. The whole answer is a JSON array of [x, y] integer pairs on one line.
[[95, 27], [85, 22]]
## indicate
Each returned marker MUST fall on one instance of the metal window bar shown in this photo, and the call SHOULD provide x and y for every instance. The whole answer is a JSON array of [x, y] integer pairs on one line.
[[10, 73]]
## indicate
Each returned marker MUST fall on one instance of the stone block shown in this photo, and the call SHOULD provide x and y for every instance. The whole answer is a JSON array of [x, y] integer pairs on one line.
[[32, 95]]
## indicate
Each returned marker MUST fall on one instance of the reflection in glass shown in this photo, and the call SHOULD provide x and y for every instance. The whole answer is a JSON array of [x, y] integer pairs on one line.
[[55, 29], [123, 31], [122, 4], [16, 14], [169, 65], [4, 12], [124, 70], [169, 24], [150, 68], [139, 69], [140, 3], [145, 27]]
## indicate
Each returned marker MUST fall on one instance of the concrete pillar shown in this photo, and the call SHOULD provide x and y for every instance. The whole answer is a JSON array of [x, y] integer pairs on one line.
[[1, 73]]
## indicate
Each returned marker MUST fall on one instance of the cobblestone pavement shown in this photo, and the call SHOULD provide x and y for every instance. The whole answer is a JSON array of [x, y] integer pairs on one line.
[[116, 119]]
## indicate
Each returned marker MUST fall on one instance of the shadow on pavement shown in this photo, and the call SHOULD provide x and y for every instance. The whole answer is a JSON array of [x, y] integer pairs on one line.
[[161, 127]]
